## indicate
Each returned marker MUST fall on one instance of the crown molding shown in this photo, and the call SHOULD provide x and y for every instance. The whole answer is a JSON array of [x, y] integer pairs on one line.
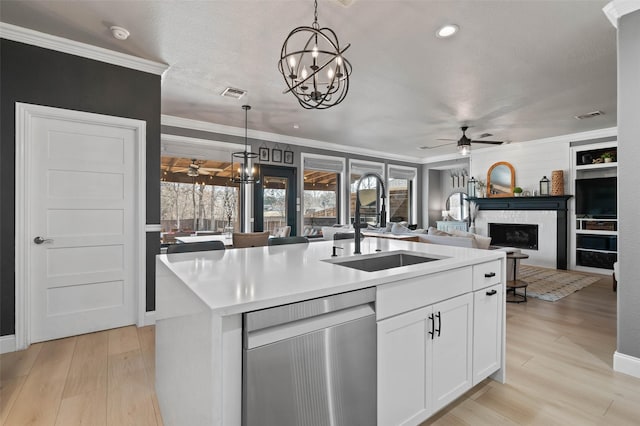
[[618, 8], [48, 41], [186, 123]]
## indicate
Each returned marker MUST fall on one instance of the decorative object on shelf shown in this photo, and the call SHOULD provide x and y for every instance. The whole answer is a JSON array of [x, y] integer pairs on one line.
[[608, 157], [501, 179], [474, 208], [544, 186], [264, 153], [481, 186], [471, 187], [586, 158], [313, 66], [517, 191], [276, 155], [288, 157], [445, 214], [557, 182], [242, 168]]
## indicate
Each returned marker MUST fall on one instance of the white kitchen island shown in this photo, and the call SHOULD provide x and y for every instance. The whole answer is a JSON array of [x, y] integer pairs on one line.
[[201, 296]]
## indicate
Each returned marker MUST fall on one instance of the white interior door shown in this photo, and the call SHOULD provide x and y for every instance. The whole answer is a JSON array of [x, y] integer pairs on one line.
[[81, 225]]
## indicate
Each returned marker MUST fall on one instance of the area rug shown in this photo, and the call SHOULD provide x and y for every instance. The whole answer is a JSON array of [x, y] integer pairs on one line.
[[552, 284]]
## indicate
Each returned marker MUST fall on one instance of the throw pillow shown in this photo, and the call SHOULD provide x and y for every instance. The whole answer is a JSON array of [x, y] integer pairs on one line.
[[480, 241], [399, 229]]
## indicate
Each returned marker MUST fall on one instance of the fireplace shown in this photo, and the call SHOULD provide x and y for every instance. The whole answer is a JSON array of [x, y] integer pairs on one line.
[[514, 235], [548, 212]]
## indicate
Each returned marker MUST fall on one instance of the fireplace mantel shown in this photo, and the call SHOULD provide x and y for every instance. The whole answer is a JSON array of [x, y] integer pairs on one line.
[[552, 202], [556, 203]]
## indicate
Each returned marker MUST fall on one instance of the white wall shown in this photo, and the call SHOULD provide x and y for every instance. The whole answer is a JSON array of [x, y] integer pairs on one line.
[[628, 160], [531, 161]]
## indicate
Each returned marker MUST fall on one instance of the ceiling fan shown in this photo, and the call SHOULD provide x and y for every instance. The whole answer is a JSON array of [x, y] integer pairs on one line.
[[464, 143], [195, 169]]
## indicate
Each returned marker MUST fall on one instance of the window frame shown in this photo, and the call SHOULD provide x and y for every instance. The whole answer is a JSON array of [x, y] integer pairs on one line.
[[341, 197], [413, 188]]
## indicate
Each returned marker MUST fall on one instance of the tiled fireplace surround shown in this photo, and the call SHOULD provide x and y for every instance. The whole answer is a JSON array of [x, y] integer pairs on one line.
[[549, 213], [546, 254]]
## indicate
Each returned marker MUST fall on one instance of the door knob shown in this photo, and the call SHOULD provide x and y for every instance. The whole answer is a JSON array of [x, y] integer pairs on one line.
[[40, 240]]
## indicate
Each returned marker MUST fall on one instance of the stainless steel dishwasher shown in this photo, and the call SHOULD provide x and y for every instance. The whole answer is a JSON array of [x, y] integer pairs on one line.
[[311, 363]]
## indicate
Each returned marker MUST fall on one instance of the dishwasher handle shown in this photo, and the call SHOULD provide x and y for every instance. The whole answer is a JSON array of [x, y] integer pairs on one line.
[[265, 336], [270, 317]]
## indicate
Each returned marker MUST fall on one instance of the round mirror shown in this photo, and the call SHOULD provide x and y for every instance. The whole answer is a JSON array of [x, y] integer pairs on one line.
[[501, 179], [458, 206]]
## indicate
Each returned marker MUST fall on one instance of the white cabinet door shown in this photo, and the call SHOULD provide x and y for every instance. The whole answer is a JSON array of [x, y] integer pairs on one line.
[[403, 342], [487, 332], [451, 375]]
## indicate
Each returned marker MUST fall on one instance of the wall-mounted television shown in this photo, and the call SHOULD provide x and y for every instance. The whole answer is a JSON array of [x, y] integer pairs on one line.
[[597, 198]]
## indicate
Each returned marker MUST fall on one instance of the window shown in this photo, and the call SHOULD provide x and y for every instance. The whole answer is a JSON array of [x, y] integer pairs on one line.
[[369, 191], [196, 197], [321, 201], [401, 194]]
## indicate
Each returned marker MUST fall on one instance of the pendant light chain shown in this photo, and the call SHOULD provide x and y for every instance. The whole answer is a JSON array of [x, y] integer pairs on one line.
[[315, 15]]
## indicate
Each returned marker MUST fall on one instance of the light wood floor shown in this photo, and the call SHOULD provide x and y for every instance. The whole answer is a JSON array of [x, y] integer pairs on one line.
[[559, 372]]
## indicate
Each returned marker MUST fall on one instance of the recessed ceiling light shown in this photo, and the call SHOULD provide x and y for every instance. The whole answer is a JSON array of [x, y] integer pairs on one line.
[[119, 32], [447, 30], [296, 126]]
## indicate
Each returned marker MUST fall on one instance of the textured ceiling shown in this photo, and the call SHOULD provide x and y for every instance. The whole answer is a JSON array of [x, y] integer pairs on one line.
[[520, 70]]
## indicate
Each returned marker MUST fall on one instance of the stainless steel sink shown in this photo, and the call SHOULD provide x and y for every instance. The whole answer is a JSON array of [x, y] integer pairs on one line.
[[380, 261]]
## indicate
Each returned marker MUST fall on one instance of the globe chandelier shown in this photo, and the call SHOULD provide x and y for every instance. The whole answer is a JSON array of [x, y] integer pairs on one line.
[[313, 66], [242, 168]]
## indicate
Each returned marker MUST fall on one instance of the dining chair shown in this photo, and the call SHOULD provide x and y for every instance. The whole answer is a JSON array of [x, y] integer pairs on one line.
[[191, 247], [282, 231], [250, 239], [288, 240]]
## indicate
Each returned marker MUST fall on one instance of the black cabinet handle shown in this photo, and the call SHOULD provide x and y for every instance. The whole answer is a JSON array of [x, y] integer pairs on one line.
[[439, 323], [431, 326], [490, 274], [491, 293]]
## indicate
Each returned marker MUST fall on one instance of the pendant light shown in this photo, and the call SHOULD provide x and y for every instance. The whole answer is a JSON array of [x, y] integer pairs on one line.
[[242, 168], [313, 66]]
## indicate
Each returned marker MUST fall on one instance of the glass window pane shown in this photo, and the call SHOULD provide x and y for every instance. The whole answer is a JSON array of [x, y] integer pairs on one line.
[[201, 202], [369, 199], [320, 201], [274, 192], [399, 200]]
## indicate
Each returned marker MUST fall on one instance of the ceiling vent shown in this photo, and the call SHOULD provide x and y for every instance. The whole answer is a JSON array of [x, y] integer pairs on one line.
[[589, 115], [230, 92]]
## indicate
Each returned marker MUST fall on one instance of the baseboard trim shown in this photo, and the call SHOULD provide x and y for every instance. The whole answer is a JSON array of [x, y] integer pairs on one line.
[[149, 318], [626, 364], [7, 344]]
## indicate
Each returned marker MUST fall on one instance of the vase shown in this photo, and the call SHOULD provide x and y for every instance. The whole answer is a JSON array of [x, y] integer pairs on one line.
[[608, 160]]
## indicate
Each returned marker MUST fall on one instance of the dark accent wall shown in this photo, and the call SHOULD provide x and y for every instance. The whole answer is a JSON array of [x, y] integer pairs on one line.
[[40, 76]]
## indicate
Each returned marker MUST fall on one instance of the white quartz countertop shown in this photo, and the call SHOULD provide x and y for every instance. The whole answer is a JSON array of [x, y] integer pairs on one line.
[[240, 280]]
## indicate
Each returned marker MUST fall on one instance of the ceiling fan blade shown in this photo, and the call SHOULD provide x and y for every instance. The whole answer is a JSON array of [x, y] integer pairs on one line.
[[444, 139], [488, 142], [210, 169], [437, 146]]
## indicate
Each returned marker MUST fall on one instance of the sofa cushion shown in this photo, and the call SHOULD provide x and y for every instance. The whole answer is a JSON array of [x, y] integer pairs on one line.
[[434, 231], [480, 241]]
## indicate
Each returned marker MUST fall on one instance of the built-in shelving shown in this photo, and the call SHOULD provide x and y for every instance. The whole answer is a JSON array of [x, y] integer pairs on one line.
[[595, 239]]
